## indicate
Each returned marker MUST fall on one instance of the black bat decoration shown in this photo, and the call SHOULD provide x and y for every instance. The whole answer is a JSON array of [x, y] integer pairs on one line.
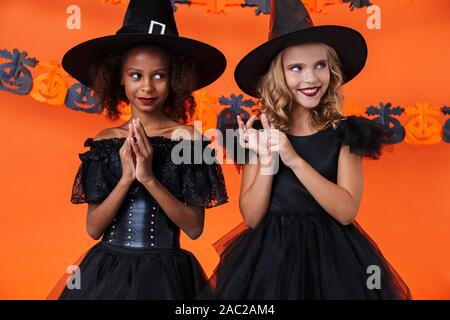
[[358, 4]]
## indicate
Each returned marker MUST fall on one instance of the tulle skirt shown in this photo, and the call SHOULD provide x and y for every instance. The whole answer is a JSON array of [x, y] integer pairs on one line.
[[112, 272], [303, 256]]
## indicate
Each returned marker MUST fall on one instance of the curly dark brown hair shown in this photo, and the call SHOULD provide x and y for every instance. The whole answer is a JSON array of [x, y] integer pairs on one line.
[[180, 104]]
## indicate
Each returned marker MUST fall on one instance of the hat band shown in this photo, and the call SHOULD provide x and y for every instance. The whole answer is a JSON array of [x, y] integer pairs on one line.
[[155, 27]]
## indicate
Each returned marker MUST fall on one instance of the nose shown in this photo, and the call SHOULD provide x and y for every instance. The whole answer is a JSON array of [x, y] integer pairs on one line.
[[147, 85], [309, 76]]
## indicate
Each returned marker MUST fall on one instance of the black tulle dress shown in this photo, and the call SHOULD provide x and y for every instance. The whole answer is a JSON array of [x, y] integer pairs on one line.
[[299, 251], [139, 256]]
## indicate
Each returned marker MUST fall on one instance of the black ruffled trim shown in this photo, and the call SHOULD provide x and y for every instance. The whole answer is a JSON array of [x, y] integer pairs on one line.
[[199, 184], [364, 137], [95, 179]]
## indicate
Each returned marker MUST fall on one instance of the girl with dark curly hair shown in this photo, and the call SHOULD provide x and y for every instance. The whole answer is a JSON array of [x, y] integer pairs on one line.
[[109, 87], [138, 197]]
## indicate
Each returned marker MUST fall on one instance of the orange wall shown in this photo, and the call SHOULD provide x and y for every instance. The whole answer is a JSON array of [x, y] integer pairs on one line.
[[405, 206]]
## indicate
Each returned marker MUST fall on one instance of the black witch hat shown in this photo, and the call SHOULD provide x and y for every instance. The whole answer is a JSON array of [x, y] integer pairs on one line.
[[146, 23], [290, 24]]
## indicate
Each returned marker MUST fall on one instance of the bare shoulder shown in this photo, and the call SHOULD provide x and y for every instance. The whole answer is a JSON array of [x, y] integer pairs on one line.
[[109, 133], [346, 156]]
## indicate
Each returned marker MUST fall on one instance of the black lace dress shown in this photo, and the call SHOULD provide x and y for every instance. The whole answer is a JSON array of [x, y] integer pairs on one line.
[[139, 256], [298, 250]]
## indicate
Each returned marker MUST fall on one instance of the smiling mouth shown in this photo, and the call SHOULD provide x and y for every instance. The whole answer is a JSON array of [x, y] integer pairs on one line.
[[310, 92], [148, 101]]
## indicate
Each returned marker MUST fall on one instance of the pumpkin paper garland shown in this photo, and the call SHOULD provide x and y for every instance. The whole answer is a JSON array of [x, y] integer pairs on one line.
[[14, 75]]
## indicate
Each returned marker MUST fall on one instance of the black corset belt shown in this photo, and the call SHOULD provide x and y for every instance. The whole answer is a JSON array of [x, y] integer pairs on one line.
[[141, 223]]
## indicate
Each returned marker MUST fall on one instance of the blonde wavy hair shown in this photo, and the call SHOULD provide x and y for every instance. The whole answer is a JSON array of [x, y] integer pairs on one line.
[[276, 98]]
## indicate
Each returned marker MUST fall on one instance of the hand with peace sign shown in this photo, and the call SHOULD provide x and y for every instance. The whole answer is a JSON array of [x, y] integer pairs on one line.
[[253, 139]]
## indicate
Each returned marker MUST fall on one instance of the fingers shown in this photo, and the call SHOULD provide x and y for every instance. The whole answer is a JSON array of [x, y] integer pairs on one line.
[[240, 123], [241, 127], [250, 121], [129, 140], [130, 137], [266, 127], [273, 138], [140, 127], [135, 147], [137, 133], [130, 130], [273, 134], [242, 138], [274, 149], [252, 137], [265, 121], [243, 143], [141, 137], [242, 132], [128, 145]]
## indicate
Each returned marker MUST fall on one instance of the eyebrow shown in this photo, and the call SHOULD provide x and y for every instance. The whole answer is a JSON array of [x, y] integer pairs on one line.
[[302, 64]]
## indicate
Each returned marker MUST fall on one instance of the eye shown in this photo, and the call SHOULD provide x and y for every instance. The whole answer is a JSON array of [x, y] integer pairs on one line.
[[160, 76], [321, 65], [296, 68], [132, 75]]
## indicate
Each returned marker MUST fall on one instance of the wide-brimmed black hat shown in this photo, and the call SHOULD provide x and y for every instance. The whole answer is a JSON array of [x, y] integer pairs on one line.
[[146, 22], [290, 24]]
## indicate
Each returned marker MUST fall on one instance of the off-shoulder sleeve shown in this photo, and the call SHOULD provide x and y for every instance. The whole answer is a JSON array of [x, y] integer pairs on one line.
[[203, 185], [364, 137], [92, 183], [198, 181]]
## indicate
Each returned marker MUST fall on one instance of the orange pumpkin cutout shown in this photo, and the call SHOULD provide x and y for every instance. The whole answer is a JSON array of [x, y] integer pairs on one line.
[[424, 128], [113, 2], [50, 86], [319, 5], [217, 6]]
